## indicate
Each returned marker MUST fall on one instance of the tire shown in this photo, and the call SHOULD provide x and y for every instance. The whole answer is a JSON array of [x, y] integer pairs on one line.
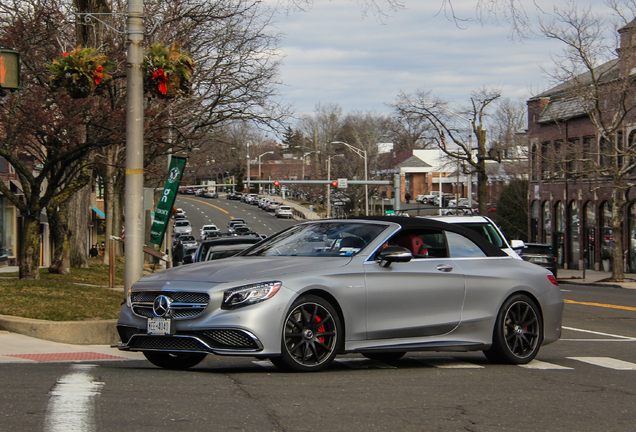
[[176, 361], [518, 332], [386, 357], [311, 336]]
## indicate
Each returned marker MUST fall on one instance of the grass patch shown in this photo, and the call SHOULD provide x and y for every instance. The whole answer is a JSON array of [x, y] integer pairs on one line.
[[63, 297]]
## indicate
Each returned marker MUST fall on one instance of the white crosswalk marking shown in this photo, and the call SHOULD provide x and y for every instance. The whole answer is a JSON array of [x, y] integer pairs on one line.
[[606, 362], [537, 364]]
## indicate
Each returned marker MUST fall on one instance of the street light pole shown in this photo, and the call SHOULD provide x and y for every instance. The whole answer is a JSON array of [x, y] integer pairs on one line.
[[260, 187], [363, 155], [248, 168], [134, 176], [329, 183]]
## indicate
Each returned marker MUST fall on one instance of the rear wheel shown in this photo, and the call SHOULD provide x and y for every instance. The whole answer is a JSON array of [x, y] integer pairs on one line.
[[311, 334], [518, 332], [178, 361]]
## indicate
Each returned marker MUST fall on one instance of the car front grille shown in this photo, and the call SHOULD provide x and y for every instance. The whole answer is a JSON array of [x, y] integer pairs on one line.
[[231, 338], [202, 341], [167, 343], [184, 305]]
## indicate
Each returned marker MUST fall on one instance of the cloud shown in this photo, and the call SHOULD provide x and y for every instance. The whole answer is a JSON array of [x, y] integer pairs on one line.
[[335, 55]]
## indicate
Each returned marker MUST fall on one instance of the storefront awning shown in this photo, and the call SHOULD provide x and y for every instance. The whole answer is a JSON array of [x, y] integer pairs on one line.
[[99, 212]]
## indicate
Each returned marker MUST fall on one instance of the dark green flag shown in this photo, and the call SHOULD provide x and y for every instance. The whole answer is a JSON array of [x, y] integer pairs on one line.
[[164, 208]]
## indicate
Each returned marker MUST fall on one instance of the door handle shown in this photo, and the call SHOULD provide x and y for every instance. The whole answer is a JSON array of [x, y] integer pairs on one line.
[[444, 268]]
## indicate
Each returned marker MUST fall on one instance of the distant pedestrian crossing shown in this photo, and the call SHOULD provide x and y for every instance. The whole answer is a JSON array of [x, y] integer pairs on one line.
[[454, 363]]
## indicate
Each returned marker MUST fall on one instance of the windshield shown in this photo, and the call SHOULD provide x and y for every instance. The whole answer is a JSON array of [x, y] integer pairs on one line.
[[319, 239]]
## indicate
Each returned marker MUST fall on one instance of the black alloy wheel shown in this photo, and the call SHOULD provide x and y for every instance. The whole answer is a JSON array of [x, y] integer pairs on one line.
[[518, 332], [177, 361], [311, 335]]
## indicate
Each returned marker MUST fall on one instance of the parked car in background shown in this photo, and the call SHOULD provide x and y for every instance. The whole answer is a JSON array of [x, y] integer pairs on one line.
[[188, 240], [188, 255], [295, 298], [225, 251], [208, 227], [204, 246], [486, 228], [271, 206], [210, 194], [283, 211], [540, 254], [182, 227]]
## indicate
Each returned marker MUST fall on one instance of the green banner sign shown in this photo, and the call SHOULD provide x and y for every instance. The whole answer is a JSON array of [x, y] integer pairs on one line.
[[164, 208]]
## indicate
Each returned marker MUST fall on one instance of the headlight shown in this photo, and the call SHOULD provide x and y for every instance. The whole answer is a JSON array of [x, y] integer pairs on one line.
[[249, 294]]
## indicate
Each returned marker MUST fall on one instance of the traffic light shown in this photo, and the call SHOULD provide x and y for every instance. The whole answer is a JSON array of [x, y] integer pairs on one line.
[[334, 183], [9, 70], [276, 183]]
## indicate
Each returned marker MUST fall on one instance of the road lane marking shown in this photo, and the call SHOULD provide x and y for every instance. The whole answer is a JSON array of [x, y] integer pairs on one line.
[[599, 334], [606, 362], [538, 364], [203, 202], [72, 404], [602, 305]]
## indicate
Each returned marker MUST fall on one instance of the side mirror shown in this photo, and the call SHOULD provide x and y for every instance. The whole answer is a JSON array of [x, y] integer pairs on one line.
[[391, 254], [517, 245]]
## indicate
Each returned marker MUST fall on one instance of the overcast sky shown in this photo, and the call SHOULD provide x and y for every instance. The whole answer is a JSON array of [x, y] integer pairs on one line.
[[335, 55]]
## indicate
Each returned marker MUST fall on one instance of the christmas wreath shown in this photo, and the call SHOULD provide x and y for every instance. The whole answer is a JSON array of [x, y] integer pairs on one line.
[[168, 70], [80, 71]]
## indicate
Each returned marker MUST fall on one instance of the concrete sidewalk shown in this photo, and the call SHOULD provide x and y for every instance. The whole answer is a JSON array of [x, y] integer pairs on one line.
[[597, 278], [18, 348]]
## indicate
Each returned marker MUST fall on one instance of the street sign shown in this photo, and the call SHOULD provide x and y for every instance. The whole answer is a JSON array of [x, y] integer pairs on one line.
[[389, 212], [342, 183]]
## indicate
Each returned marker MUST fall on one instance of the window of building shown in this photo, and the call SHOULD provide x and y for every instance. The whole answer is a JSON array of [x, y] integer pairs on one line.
[[570, 162], [545, 157], [574, 235], [604, 159], [588, 154], [534, 160], [547, 223], [589, 234]]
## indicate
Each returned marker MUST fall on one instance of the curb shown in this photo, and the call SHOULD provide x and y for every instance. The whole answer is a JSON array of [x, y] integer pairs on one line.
[[591, 283], [102, 332]]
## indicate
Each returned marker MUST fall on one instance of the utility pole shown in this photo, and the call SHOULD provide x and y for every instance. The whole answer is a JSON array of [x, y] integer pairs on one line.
[[134, 262]]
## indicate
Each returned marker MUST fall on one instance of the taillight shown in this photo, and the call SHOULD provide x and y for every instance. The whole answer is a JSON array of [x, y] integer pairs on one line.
[[553, 280]]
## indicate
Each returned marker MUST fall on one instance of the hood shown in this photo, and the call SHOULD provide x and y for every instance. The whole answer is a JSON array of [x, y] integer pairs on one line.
[[245, 268]]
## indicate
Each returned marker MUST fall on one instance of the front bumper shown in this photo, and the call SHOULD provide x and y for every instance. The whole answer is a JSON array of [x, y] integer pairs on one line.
[[217, 341]]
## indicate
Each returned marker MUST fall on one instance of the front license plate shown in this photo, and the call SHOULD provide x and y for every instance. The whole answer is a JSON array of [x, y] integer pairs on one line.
[[159, 326]]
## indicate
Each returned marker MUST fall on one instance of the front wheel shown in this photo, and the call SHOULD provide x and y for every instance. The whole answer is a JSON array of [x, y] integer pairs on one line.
[[311, 335], [177, 361], [518, 332]]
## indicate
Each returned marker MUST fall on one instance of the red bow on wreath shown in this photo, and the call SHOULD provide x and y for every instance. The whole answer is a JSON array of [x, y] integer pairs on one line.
[[98, 74], [160, 76]]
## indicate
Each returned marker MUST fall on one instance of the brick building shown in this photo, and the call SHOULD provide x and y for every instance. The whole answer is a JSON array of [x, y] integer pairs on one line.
[[570, 204]]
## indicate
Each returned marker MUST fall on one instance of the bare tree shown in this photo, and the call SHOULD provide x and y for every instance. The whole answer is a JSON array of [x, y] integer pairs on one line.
[[456, 142], [594, 83]]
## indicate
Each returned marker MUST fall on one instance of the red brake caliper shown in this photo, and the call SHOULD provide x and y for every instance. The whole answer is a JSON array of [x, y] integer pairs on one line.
[[320, 329]]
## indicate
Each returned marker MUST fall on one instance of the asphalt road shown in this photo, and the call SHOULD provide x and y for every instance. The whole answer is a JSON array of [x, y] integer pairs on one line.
[[219, 211], [584, 382]]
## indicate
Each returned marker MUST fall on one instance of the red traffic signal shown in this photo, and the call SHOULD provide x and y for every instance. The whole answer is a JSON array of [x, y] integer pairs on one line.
[[276, 183], [334, 183]]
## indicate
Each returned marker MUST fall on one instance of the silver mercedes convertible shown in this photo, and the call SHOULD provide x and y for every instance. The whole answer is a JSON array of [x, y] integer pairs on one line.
[[378, 286]]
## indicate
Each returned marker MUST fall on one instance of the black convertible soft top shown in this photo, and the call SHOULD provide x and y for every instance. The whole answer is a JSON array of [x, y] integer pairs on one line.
[[409, 223]]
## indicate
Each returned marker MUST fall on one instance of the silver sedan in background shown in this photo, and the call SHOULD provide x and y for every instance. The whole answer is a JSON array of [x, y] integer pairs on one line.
[[378, 286]]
